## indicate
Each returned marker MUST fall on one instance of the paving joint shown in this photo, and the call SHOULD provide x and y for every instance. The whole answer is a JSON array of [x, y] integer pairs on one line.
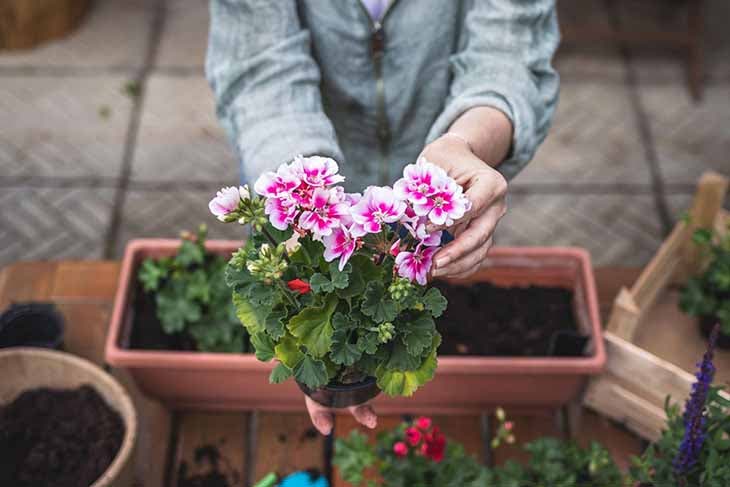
[[120, 196]]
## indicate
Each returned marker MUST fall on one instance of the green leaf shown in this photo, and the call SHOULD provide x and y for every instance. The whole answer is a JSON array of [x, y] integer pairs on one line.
[[263, 345], [435, 302], [321, 284], [190, 253], [313, 327], [417, 333], [311, 372], [340, 279], [175, 311], [197, 286], [275, 323], [251, 316], [343, 352], [368, 342], [287, 351], [400, 359], [376, 305], [280, 373], [151, 273], [405, 383], [353, 456], [237, 277]]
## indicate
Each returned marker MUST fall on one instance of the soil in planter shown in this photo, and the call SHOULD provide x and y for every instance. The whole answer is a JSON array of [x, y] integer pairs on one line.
[[57, 438], [483, 319], [147, 332]]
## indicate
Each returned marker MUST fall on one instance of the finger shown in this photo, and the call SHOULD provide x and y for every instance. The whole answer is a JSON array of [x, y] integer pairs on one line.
[[469, 264], [479, 230], [320, 416], [484, 189], [481, 265], [364, 415]]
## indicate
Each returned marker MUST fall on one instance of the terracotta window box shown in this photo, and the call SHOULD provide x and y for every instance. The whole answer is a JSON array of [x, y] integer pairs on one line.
[[463, 384]]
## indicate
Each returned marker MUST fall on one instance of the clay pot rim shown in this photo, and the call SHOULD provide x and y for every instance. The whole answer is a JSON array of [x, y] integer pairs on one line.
[[128, 412], [459, 365]]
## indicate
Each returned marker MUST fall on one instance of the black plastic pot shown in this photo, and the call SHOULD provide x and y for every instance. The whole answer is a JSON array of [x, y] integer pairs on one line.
[[31, 325], [707, 322], [343, 395]]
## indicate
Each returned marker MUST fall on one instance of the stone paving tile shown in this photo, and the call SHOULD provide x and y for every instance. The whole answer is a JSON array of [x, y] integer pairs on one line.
[[62, 126], [179, 137], [149, 213], [690, 137], [680, 203], [115, 34], [618, 229], [185, 35], [53, 223], [594, 139]]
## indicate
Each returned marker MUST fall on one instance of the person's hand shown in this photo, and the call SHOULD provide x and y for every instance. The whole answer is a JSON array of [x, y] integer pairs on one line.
[[486, 189], [323, 417]]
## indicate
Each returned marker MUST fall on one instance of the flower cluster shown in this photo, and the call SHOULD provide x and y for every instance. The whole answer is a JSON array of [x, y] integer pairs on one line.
[[695, 421], [422, 438], [304, 195]]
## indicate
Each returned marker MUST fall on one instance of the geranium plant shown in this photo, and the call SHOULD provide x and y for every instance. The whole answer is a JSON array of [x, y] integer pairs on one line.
[[414, 454], [334, 285], [190, 297]]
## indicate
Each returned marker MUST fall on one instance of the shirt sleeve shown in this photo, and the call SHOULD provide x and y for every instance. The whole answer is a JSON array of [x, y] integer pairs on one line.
[[504, 62], [266, 84]]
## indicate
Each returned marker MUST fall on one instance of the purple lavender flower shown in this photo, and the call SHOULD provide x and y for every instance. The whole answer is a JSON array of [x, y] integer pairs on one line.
[[694, 412]]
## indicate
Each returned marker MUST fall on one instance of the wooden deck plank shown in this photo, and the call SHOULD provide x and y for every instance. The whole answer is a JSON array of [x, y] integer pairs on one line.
[[466, 430], [85, 329], [26, 281], [526, 429], [210, 445], [286, 443], [85, 280]]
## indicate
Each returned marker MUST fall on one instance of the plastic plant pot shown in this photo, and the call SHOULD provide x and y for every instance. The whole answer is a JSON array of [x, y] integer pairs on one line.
[[31, 325], [343, 395]]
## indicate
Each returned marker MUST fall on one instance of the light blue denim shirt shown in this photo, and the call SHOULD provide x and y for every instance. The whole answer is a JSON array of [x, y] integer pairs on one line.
[[321, 77]]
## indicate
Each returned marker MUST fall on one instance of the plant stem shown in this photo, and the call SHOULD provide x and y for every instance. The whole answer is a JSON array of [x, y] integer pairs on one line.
[[273, 242], [286, 292]]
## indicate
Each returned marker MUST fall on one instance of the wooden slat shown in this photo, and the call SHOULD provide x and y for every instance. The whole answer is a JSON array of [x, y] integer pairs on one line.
[[526, 429], [609, 281], [85, 329], [466, 430], [224, 433], [85, 280], [286, 443], [620, 443], [26, 281]]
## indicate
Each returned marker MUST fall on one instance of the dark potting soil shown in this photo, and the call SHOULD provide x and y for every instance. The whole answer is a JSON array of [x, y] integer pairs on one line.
[[57, 438], [483, 319], [212, 470], [147, 332]]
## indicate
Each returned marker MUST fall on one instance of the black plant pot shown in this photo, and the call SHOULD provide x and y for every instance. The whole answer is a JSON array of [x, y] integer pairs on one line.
[[31, 325], [343, 395], [707, 322]]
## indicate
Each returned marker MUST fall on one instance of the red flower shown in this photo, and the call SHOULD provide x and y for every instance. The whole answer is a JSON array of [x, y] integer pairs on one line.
[[400, 449], [413, 436], [297, 285], [434, 445], [423, 423]]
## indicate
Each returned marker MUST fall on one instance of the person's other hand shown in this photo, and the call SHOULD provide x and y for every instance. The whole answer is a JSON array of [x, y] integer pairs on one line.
[[486, 189], [323, 417]]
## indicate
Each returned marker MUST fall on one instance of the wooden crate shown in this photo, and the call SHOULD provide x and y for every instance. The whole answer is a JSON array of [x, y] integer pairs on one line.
[[636, 382]]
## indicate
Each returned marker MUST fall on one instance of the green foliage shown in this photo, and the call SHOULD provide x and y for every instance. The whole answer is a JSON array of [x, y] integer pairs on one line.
[[346, 328], [192, 298], [708, 294], [655, 467]]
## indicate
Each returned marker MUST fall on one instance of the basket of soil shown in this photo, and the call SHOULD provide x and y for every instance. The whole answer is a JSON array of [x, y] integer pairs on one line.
[[526, 331], [64, 422]]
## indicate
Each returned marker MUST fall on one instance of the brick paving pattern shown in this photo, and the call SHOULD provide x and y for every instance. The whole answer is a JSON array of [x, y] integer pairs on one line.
[[110, 135]]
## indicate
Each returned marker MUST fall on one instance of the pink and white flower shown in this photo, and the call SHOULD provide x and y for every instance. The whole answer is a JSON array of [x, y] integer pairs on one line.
[[226, 201], [419, 181], [340, 243], [277, 184], [418, 230], [282, 213], [316, 171], [415, 265], [377, 207], [324, 212], [444, 206]]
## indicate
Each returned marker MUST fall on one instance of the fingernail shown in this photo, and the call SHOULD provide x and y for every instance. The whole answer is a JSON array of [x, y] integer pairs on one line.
[[372, 423]]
